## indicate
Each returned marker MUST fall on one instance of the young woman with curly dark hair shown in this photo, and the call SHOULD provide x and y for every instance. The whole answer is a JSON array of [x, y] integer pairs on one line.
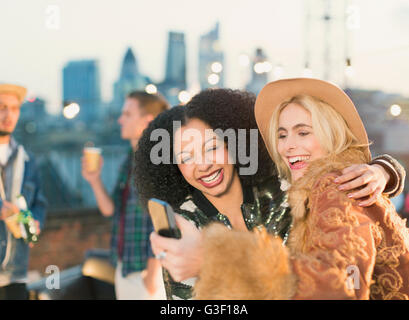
[[171, 168], [189, 188], [221, 109]]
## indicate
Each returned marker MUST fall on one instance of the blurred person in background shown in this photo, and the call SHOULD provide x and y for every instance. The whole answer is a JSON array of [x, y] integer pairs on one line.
[[18, 176], [138, 273]]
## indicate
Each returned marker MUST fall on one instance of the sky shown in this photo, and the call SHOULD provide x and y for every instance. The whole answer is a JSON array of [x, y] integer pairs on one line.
[[39, 37]]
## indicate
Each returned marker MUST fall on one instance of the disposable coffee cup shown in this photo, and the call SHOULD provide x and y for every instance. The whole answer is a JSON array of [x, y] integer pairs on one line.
[[92, 158]]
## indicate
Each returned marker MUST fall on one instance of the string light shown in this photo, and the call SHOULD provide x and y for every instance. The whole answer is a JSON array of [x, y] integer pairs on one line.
[[216, 67], [395, 110], [71, 111], [213, 79], [151, 89], [184, 96]]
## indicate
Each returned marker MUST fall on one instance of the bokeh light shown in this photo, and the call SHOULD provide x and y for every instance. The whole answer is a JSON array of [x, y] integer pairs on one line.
[[213, 79], [71, 111]]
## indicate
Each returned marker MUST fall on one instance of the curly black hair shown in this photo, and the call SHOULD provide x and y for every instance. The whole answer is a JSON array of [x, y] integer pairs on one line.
[[220, 109]]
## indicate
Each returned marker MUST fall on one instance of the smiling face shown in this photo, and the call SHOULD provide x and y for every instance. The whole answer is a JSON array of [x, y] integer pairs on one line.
[[297, 144], [203, 159]]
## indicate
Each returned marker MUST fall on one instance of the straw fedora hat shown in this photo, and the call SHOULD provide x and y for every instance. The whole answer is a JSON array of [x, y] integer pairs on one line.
[[275, 93], [19, 91]]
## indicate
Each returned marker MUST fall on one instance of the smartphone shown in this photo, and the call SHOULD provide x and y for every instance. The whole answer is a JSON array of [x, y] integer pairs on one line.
[[163, 218]]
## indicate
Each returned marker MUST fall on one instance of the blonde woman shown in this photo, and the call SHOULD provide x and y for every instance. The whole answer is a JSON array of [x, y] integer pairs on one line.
[[337, 249]]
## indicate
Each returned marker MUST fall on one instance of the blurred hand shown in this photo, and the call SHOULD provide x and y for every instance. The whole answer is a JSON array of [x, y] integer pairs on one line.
[[94, 176], [8, 209], [37, 227], [373, 177], [183, 256]]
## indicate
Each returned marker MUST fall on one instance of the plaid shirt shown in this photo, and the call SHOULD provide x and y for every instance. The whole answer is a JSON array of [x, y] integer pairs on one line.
[[138, 225]]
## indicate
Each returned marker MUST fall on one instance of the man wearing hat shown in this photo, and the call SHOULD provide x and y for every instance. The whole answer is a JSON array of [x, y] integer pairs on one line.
[[18, 176]]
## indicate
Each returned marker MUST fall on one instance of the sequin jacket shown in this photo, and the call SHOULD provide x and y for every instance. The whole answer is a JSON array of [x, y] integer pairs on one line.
[[336, 249], [263, 205]]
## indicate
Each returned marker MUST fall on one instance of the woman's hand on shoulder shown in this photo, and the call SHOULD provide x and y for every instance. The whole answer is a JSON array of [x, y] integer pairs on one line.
[[373, 179]]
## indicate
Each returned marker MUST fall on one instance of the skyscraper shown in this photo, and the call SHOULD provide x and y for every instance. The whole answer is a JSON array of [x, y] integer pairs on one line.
[[81, 85], [211, 60], [129, 80], [176, 60], [259, 73], [175, 75]]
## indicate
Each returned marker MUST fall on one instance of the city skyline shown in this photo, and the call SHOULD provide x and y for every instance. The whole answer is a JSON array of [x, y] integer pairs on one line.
[[379, 47]]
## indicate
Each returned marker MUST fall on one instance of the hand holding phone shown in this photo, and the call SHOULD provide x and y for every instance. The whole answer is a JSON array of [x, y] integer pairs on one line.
[[163, 218]]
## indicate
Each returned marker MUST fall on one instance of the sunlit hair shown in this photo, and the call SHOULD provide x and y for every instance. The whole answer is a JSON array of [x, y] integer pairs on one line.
[[149, 103], [328, 125]]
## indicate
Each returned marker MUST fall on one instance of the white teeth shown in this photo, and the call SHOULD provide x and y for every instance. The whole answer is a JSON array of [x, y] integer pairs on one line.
[[298, 158], [212, 177]]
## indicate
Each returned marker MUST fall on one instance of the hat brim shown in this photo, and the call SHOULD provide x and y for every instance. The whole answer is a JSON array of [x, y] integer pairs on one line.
[[275, 93], [19, 91]]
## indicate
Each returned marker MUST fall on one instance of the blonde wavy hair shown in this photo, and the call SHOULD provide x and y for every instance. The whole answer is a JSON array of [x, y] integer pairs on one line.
[[328, 125]]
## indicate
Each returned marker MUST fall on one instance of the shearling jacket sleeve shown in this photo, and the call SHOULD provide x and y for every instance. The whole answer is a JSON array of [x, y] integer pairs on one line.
[[331, 255]]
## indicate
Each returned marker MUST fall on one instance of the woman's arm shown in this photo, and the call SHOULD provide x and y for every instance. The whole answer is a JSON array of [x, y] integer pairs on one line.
[[383, 174]]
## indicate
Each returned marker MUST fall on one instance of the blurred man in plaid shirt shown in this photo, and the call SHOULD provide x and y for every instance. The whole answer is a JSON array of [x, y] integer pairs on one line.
[[138, 274]]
